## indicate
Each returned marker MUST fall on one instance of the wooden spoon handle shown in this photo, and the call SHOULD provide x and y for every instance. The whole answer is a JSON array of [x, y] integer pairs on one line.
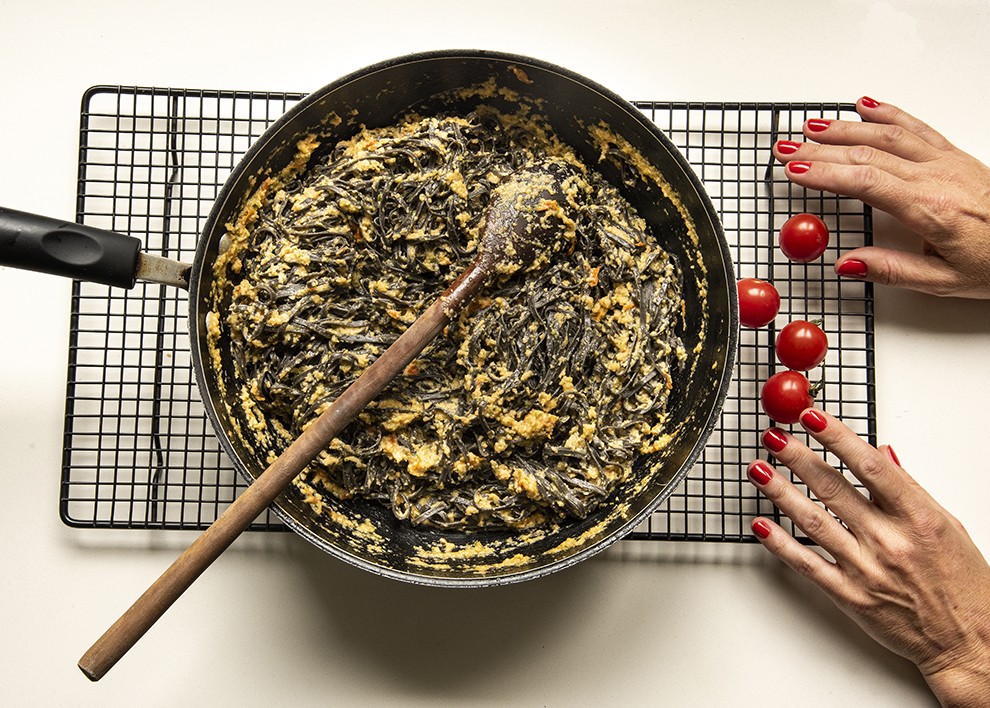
[[139, 618]]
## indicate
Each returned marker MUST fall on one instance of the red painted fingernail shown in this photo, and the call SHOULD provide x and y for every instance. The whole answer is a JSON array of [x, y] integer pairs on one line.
[[893, 456], [787, 147], [760, 472], [798, 168], [869, 102], [852, 268], [813, 420], [774, 440], [817, 125], [761, 528]]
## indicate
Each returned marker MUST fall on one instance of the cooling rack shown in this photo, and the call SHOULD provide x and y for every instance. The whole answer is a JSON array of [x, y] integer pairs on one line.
[[138, 450]]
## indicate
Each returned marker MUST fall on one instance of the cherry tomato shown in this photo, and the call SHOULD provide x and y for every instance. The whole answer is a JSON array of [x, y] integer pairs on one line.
[[803, 238], [801, 345], [785, 395], [758, 302]]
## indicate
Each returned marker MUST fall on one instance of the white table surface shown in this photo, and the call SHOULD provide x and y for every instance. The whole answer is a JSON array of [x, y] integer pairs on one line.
[[275, 622]]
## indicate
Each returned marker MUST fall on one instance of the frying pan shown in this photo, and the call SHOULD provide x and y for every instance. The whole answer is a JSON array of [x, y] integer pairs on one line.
[[648, 170]]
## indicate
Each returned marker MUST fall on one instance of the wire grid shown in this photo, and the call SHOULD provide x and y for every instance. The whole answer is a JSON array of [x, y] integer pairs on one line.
[[729, 145], [138, 449]]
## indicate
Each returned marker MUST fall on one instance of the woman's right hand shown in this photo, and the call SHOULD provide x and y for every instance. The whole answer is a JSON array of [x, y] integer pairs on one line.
[[898, 164]]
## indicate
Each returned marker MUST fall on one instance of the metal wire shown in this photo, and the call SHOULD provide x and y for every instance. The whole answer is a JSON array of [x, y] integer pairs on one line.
[[138, 450]]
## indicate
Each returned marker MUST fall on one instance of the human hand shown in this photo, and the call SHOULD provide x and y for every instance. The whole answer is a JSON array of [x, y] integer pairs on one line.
[[900, 165], [904, 568]]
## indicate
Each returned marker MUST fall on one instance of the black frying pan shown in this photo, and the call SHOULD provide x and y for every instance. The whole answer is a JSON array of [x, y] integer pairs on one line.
[[679, 212]]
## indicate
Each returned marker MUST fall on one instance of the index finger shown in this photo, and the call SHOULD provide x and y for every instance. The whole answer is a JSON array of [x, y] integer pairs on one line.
[[868, 183], [888, 484]]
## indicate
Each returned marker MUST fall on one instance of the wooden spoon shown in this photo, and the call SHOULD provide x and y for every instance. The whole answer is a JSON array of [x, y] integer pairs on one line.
[[525, 223]]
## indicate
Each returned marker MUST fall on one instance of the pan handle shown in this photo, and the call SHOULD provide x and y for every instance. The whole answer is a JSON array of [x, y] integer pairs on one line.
[[48, 245]]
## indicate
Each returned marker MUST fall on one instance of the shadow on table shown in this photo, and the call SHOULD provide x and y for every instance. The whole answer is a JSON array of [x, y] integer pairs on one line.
[[441, 642]]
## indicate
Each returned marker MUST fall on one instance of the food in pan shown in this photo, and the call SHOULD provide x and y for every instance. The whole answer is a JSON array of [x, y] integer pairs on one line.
[[534, 403]]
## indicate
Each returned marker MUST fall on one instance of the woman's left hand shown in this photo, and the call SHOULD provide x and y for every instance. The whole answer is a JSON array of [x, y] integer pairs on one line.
[[904, 568]]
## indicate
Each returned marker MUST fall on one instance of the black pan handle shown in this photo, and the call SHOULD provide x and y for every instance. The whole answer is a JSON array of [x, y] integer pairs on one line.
[[47, 245]]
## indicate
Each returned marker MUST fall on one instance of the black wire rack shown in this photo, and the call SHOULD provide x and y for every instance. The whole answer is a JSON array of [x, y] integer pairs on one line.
[[138, 449]]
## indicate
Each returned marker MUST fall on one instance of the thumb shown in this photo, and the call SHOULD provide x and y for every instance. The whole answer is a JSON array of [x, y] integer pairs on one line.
[[928, 273]]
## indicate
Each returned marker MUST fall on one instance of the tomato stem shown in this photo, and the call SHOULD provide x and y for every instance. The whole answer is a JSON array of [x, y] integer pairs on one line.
[[816, 388]]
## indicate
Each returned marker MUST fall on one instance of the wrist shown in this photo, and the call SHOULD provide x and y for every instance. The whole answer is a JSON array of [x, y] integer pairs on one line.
[[963, 684]]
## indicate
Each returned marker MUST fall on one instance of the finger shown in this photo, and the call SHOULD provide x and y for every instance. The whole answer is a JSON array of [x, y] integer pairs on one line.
[[922, 493], [827, 484], [872, 137], [927, 273], [787, 151], [867, 183], [889, 452], [819, 525], [799, 558], [889, 114], [878, 473]]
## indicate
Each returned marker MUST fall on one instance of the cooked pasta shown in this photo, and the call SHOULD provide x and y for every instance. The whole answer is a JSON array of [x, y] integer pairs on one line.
[[535, 401]]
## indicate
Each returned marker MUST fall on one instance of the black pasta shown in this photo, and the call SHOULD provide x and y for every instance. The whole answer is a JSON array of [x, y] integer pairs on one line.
[[530, 407]]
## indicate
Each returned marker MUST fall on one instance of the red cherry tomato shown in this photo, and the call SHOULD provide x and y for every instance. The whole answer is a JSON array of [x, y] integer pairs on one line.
[[785, 395], [758, 302], [801, 345], [803, 238]]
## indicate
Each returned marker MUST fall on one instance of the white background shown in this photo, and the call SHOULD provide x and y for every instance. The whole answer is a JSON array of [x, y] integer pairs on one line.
[[275, 622]]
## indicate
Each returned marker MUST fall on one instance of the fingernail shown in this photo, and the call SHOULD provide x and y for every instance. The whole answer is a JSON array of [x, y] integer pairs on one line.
[[798, 168], [893, 456], [813, 420], [869, 102], [760, 473], [761, 528], [851, 268], [817, 125], [787, 147], [774, 440]]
